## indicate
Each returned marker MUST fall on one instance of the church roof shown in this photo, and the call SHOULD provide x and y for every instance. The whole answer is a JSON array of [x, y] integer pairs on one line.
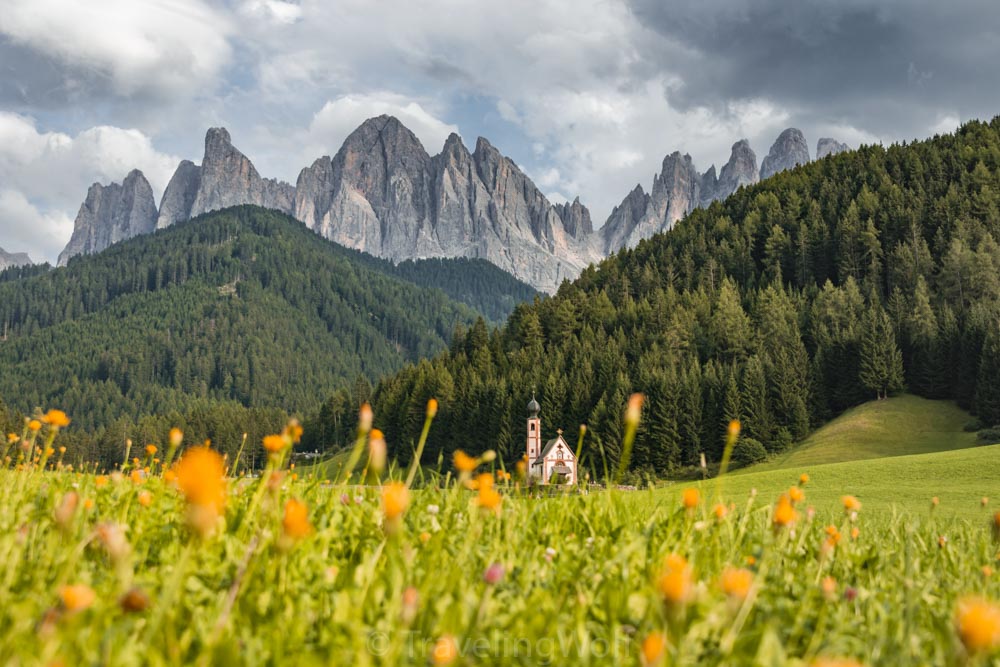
[[551, 444]]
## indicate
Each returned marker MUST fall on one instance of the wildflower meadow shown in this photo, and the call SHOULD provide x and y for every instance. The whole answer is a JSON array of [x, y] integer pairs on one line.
[[178, 556]]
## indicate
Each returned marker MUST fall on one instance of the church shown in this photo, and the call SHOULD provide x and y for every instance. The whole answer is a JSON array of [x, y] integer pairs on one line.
[[555, 462]]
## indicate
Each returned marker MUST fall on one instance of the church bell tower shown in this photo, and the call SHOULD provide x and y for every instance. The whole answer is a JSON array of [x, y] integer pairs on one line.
[[534, 446]]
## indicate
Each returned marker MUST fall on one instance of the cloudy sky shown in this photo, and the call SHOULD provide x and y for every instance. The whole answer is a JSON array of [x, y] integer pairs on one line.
[[586, 95]]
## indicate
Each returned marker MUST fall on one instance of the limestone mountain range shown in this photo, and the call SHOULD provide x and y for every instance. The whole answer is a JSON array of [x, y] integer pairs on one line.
[[9, 259], [383, 194]]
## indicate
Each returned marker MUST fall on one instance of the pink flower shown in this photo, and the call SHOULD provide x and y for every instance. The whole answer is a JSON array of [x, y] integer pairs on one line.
[[494, 574]]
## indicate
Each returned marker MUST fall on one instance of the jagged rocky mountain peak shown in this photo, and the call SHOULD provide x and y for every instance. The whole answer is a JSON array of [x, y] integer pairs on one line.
[[112, 213], [789, 150], [827, 146], [382, 193], [9, 259]]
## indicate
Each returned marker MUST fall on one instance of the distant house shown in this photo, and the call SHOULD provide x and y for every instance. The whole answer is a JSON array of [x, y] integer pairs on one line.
[[556, 460]]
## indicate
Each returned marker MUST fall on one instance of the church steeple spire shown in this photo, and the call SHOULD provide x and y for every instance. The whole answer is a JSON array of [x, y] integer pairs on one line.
[[533, 446]]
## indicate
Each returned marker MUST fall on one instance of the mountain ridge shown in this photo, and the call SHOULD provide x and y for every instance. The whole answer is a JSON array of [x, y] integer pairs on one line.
[[384, 194]]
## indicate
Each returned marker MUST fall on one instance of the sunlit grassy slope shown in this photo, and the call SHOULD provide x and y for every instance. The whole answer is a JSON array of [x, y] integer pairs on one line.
[[897, 426], [959, 479], [899, 452]]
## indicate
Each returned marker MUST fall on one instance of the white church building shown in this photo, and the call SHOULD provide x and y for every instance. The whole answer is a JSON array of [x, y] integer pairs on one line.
[[556, 458]]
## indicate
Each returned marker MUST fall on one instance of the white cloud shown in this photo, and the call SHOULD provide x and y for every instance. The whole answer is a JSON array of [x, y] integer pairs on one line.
[[275, 11], [339, 117], [23, 228], [45, 176], [158, 47]]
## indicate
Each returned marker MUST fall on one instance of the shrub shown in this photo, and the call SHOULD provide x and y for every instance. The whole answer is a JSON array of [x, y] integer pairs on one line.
[[972, 426], [989, 435], [747, 451]]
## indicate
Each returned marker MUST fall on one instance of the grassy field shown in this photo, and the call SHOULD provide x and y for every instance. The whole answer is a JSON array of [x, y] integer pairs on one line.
[[959, 479], [179, 564], [897, 426]]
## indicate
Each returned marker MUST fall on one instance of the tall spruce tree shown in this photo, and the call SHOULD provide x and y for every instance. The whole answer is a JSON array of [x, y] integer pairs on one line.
[[881, 360]]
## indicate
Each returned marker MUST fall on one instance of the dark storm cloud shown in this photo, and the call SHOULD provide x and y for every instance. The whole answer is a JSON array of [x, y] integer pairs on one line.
[[888, 66]]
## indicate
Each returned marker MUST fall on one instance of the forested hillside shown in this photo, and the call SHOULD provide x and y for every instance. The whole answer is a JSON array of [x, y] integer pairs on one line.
[[836, 283], [488, 289], [243, 307]]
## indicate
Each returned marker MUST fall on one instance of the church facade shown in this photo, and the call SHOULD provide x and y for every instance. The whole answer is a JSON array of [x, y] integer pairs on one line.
[[553, 462]]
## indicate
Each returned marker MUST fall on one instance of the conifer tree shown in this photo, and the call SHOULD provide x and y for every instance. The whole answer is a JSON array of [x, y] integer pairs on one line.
[[881, 369]]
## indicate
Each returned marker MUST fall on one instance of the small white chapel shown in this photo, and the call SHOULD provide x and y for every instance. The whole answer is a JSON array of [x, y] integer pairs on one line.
[[555, 459]]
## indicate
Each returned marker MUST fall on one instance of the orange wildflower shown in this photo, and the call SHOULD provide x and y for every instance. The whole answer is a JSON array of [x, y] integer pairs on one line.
[[176, 437], [803, 479], [653, 649], [56, 418], [690, 498], [293, 431], [733, 431], [464, 462], [736, 582], [829, 587], [34, 425], [365, 417], [432, 408], [720, 511], [850, 503], [634, 409], [201, 478], [978, 623], [395, 499], [295, 524], [796, 494], [489, 498], [275, 443], [150, 450], [101, 480], [145, 498], [445, 651], [77, 597], [784, 513], [676, 582]]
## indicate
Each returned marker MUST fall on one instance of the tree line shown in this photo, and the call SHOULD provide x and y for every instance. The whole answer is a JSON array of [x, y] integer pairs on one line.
[[846, 280]]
